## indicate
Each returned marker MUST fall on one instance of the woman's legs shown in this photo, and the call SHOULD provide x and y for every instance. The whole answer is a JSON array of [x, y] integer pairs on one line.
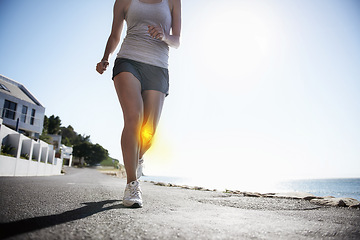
[[141, 115], [153, 104], [128, 89]]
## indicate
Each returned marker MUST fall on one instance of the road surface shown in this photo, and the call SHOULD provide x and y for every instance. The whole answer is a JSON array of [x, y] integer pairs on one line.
[[86, 204]]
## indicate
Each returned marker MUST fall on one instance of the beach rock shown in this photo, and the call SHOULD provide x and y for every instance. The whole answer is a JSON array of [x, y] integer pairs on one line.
[[336, 202], [110, 173], [309, 198], [295, 195], [237, 192], [229, 191], [355, 206], [325, 201], [269, 195], [252, 194], [351, 201], [161, 184], [232, 191]]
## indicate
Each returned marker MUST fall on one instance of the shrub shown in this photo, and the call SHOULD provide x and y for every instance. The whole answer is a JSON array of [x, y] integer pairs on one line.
[[7, 150], [25, 156]]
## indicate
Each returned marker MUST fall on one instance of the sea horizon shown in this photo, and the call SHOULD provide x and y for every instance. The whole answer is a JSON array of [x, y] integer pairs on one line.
[[321, 187]]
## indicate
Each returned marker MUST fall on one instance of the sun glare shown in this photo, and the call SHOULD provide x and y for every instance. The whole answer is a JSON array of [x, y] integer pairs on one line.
[[236, 43], [242, 42], [146, 134], [160, 155]]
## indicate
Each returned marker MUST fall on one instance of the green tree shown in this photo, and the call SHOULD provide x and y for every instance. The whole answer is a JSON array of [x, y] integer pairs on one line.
[[45, 125], [54, 124], [72, 138], [82, 150], [92, 154], [97, 155], [44, 135]]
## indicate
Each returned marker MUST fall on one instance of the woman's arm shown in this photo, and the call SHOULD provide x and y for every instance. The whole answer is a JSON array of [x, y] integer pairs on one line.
[[114, 38], [172, 40]]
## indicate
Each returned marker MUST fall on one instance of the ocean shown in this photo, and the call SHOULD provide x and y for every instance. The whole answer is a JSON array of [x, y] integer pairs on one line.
[[337, 187]]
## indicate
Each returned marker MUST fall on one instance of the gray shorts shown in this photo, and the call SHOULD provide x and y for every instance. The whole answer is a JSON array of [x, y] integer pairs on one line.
[[150, 77]]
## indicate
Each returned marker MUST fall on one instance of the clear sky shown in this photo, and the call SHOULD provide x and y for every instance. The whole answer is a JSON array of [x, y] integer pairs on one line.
[[259, 88]]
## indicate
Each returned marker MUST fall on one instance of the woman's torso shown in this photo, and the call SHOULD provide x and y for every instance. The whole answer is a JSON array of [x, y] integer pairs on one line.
[[138, 45]]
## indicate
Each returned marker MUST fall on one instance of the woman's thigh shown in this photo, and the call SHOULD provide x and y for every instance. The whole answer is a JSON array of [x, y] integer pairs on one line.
[[153, 104], [128, 89]]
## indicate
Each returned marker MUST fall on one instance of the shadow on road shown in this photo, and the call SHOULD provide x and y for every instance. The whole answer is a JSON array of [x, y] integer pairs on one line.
[[31, 224]]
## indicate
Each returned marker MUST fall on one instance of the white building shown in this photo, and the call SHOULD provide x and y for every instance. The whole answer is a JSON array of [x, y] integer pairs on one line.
[[19, 109]]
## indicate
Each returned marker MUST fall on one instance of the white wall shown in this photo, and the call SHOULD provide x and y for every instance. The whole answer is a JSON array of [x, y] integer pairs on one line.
[[40, 159]]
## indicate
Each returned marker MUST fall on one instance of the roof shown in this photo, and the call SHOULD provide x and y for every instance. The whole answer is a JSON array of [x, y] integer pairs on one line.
[[17, 90]]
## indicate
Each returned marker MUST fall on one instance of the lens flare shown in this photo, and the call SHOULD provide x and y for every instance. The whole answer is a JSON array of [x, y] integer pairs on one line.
[[147, 134]]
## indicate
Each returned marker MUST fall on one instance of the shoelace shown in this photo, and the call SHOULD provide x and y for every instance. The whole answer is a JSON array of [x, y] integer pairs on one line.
[[134, 191]]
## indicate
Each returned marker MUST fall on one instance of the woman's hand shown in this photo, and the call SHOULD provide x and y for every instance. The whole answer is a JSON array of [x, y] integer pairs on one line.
[[156, 32], [101, 66]]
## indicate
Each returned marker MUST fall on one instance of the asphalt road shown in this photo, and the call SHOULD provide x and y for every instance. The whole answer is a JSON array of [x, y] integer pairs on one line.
[[85, 204]]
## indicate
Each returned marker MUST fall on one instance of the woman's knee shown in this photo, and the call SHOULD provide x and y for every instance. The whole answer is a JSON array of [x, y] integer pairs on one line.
[[147, 134], [133, 120]]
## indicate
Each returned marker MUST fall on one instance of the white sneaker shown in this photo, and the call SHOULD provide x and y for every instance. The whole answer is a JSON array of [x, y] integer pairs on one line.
[[139, 170], [132, 195]]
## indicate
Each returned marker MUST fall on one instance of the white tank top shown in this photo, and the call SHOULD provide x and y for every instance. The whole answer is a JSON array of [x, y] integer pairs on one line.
[[138, 45]]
